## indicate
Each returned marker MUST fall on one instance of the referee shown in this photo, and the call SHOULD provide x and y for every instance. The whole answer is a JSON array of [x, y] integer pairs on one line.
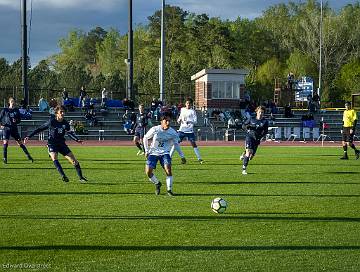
[[348, 131]]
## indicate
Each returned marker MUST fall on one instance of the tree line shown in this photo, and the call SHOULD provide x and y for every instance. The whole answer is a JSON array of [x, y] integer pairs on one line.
[[286, 37]]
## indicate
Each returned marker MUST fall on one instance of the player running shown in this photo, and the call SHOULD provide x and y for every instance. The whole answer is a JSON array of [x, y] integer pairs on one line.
[[187, 120], [57, 127], [163, 138], [348, 131], [9, 119], [142, 120], [256, 128]]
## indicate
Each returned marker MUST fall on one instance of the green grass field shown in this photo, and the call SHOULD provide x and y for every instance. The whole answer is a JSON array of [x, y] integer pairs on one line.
[[297, 210]]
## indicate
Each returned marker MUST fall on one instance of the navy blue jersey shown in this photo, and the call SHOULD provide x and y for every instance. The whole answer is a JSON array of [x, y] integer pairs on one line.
[[56, 131], [10, 117], [141, 120], [256, 128]]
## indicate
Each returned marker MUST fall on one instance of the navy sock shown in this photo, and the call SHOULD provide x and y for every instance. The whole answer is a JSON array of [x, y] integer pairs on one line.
[[245, 162], [139, 146], [23, 147], [5, 146], [353, 146], [59, 168], [78, 170]]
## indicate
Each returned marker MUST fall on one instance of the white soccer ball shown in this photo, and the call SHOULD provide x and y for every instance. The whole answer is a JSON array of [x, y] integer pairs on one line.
[[219, 205]]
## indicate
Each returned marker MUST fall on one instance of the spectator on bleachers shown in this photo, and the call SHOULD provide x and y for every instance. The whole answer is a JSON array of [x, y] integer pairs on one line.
[[90, 115], [82, 97], [53, 104], [104, 97], [288, 111], [65, 94], [43, 104], [128, 104]]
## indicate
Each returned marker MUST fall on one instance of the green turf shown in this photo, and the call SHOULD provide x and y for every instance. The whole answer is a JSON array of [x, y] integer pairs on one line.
[[296, 210]]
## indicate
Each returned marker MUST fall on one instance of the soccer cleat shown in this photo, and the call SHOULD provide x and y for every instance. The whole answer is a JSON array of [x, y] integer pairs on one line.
[[201, 161], [170, 193], [357, 154], [30, 159], [5, 161], [345, 157], [83, 179], [183, 161], [157, 188], [65, 179], [142, 153], [138, 153], [244, 172]]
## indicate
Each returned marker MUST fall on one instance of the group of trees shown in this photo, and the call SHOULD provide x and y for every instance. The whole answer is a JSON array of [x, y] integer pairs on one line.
[[285, 38]]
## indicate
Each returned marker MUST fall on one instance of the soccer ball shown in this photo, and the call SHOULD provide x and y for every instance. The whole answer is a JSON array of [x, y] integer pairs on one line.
[[218, 205]]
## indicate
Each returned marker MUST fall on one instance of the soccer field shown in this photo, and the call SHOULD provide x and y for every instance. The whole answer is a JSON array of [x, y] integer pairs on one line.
[[297, 210]]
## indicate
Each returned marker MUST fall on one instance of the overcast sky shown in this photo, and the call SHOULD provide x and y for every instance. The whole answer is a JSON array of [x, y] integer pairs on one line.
[[53, 19]]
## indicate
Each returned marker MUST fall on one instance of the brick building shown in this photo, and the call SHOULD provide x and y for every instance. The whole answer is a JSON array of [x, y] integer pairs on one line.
[[219, 88]]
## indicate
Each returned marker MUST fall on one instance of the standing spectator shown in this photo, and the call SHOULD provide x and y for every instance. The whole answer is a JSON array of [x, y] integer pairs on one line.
[[348, 131], [43, 104], [65, 95], [104, 96], [82, 96]]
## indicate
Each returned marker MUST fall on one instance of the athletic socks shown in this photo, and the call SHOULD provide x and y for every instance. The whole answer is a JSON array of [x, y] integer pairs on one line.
[[169, 183], [154, 179], [197, 153], [59, 168], [353, 146], [245, 162], [23, 147], [78, 170], [5, 147], [138, 145]]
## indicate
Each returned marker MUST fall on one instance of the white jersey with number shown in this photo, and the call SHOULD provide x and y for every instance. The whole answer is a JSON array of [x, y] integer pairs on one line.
[[162, 140], [187, 119]]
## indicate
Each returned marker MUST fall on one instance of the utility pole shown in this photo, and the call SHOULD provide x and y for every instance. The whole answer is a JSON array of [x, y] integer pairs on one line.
[[130, 66], [162, 58], [24, 54], [320, 45]]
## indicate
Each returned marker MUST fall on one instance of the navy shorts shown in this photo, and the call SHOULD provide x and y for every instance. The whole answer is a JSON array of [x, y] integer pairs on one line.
[[190, 136], [347, 136], [163, 159], [251, 143], [63, 149], [140, 132], [13, 132]]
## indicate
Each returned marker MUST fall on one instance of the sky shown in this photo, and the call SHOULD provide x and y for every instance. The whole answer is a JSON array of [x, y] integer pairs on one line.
[[52, 20]]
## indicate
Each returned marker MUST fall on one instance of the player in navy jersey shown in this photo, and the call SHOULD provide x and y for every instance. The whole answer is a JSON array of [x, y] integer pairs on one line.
[[163, 138], [142, 120], [256, 128], [9, 119], [57, 127]]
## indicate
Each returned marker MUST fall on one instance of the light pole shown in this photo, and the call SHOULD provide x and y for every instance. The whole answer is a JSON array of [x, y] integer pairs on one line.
[[162, 58], [130, 92], [320, 49]]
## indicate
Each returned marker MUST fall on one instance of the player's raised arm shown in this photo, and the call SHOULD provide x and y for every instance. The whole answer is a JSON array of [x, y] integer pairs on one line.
[[39, 129]]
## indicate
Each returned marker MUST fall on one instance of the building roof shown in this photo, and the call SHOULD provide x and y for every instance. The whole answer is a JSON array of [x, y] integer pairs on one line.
[[220, 71]]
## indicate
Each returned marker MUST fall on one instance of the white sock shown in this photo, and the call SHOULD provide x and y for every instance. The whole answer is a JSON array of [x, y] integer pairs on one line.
[[197, 153], [154, 179], [169, 183], [172, 150]]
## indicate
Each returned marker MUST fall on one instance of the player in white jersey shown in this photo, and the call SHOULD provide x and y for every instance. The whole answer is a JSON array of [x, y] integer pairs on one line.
[[163, 138], [187, 120]]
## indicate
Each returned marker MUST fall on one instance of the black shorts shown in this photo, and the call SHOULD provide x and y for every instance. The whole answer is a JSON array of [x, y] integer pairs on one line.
[[347, 136], [251, 143], [63, 149], [13, 132], [140, 132]]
